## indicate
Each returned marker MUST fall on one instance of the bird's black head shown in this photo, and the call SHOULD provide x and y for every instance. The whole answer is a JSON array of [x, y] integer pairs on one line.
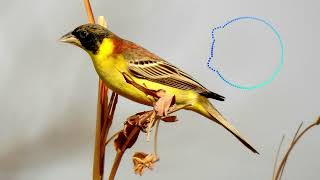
[[87, 36]]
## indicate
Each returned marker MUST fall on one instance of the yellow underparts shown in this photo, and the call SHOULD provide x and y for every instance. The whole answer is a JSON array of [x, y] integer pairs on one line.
[[110, 67]]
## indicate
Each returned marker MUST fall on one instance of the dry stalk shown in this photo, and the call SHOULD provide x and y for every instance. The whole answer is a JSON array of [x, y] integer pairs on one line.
[[89, 11], [279, 171], [120, 153], [105, 112]]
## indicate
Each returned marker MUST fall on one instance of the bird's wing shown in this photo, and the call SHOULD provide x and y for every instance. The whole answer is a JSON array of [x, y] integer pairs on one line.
[[143, 64], [164, 73], [146, 65]]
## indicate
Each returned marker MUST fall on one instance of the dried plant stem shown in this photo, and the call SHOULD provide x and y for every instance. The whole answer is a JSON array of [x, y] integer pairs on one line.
[[296, 138], [105, 112], [287, 155], [109, 114], [156, 138], [120, 153], [102, 105], [89, 11], [97, 150], [112, 137], [277, 157], [116, 164], [106, 124]]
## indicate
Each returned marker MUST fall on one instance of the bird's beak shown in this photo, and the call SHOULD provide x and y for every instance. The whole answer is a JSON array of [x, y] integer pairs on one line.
[[70, 38]]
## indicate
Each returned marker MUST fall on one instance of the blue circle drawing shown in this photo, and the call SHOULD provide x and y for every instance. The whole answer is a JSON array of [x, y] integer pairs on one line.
[[275, 73]]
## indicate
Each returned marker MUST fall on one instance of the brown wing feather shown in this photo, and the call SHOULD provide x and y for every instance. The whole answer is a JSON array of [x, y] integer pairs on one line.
[[143, 64]]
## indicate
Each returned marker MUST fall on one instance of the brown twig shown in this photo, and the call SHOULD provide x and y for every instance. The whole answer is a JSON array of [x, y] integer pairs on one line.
[[287, 155], [97, 161], [156, 138], [89, 11], [109, 115], [120, 153], [277, 157], [295, 140], [112, 137], [107, 121]]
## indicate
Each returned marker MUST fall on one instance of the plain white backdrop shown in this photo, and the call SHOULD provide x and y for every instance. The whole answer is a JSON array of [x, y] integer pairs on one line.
[[48, 90]]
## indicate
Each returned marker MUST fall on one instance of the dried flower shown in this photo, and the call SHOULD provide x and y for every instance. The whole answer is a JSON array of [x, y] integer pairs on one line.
[[142, 160], [123, 135], [144, 121], [119, 141], [169, 119]]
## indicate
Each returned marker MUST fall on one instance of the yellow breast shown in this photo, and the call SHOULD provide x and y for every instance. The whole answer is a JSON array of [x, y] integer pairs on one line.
[[110, 67]]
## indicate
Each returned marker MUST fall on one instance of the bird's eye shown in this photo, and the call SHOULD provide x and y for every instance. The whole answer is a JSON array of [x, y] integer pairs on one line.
[[83, 34]]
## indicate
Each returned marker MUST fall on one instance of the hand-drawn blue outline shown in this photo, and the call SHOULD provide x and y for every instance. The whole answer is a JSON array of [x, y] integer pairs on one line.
[[271, 78]]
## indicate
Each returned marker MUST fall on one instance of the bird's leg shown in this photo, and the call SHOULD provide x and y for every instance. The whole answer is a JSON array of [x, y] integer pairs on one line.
[[164, 103], [151, 122]]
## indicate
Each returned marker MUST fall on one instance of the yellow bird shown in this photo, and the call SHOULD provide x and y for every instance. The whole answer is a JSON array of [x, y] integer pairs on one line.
[[112, 56]]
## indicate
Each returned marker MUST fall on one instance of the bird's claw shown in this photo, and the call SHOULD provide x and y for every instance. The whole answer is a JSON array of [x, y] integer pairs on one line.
[[165, 103]]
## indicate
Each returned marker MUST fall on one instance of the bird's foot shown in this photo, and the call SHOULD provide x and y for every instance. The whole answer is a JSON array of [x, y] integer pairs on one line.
[[165, 103]]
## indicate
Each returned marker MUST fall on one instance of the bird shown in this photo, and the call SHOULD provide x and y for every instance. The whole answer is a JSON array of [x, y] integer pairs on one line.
[[112, 56]]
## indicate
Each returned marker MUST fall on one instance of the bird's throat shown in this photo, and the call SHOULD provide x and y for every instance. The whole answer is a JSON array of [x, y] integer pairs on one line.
[[106, 49]]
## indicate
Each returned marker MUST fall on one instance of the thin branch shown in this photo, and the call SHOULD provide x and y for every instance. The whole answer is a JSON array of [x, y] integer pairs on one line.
[[286, 156], [106, 124], [156, 138], [97, 149], [101, 94], [89, 11], [112, 137], [120, 153], [296, 138], [109, 115], [277, 157], [104, 117]]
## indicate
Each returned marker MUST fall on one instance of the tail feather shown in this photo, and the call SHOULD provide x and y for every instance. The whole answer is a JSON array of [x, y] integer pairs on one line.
[[214, 114], [213, 95]]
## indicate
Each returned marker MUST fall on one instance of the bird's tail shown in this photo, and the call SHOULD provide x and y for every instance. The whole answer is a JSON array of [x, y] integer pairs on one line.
[[205, 108]]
